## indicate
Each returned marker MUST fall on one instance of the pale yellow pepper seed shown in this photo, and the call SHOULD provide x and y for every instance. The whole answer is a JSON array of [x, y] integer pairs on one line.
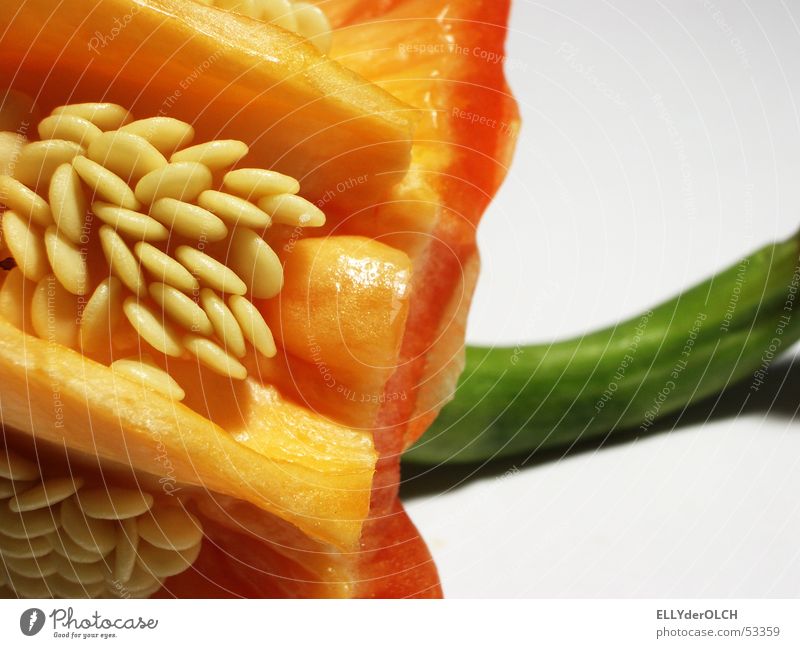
[[280, 12], [67, 261], [216, 155], [106, 116], [38, 160], [182, 181], [214, 357], [233, 210], [26, 244], [164, 133], [114, 503], [209, 271], [7, 489], [30, 524], [288, 209], [252, 259], [170, 527], [224, 322], [101, 314], [65, 546], [15, 467], [87, 532], [164, 268], [26, 548], [26, 202], [188, 220], [83, 574], [149, 375], [257, 183], [121, 261], [127, 222], [125, 551], [152, 328], [181, 309], [104, 184], [31, 567], [313, 24], [69, 127], [46, 493], [126, 155], [253, 326], [68, 204]]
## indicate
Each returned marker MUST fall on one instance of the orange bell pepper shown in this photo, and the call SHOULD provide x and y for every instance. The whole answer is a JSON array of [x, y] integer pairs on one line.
[[294, 472]]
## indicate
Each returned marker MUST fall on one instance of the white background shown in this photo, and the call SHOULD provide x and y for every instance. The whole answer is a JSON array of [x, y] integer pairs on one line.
[[610, 207]]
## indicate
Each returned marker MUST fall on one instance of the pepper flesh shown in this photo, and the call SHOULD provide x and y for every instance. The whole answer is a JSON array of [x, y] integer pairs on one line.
[[301, 113], [431, 214]]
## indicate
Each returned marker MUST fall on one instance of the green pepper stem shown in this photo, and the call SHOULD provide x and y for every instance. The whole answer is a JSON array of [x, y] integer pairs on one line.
[[524, 399]]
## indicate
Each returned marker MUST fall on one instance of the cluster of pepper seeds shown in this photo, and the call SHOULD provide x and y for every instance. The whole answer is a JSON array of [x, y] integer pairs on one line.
[[61, 539], [181, 232]]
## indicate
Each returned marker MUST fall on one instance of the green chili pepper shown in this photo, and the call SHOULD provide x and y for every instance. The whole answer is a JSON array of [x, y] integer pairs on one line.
[[519, 400]]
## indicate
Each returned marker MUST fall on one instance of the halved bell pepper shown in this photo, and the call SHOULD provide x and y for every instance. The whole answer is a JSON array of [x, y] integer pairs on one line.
[[294, 472]]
